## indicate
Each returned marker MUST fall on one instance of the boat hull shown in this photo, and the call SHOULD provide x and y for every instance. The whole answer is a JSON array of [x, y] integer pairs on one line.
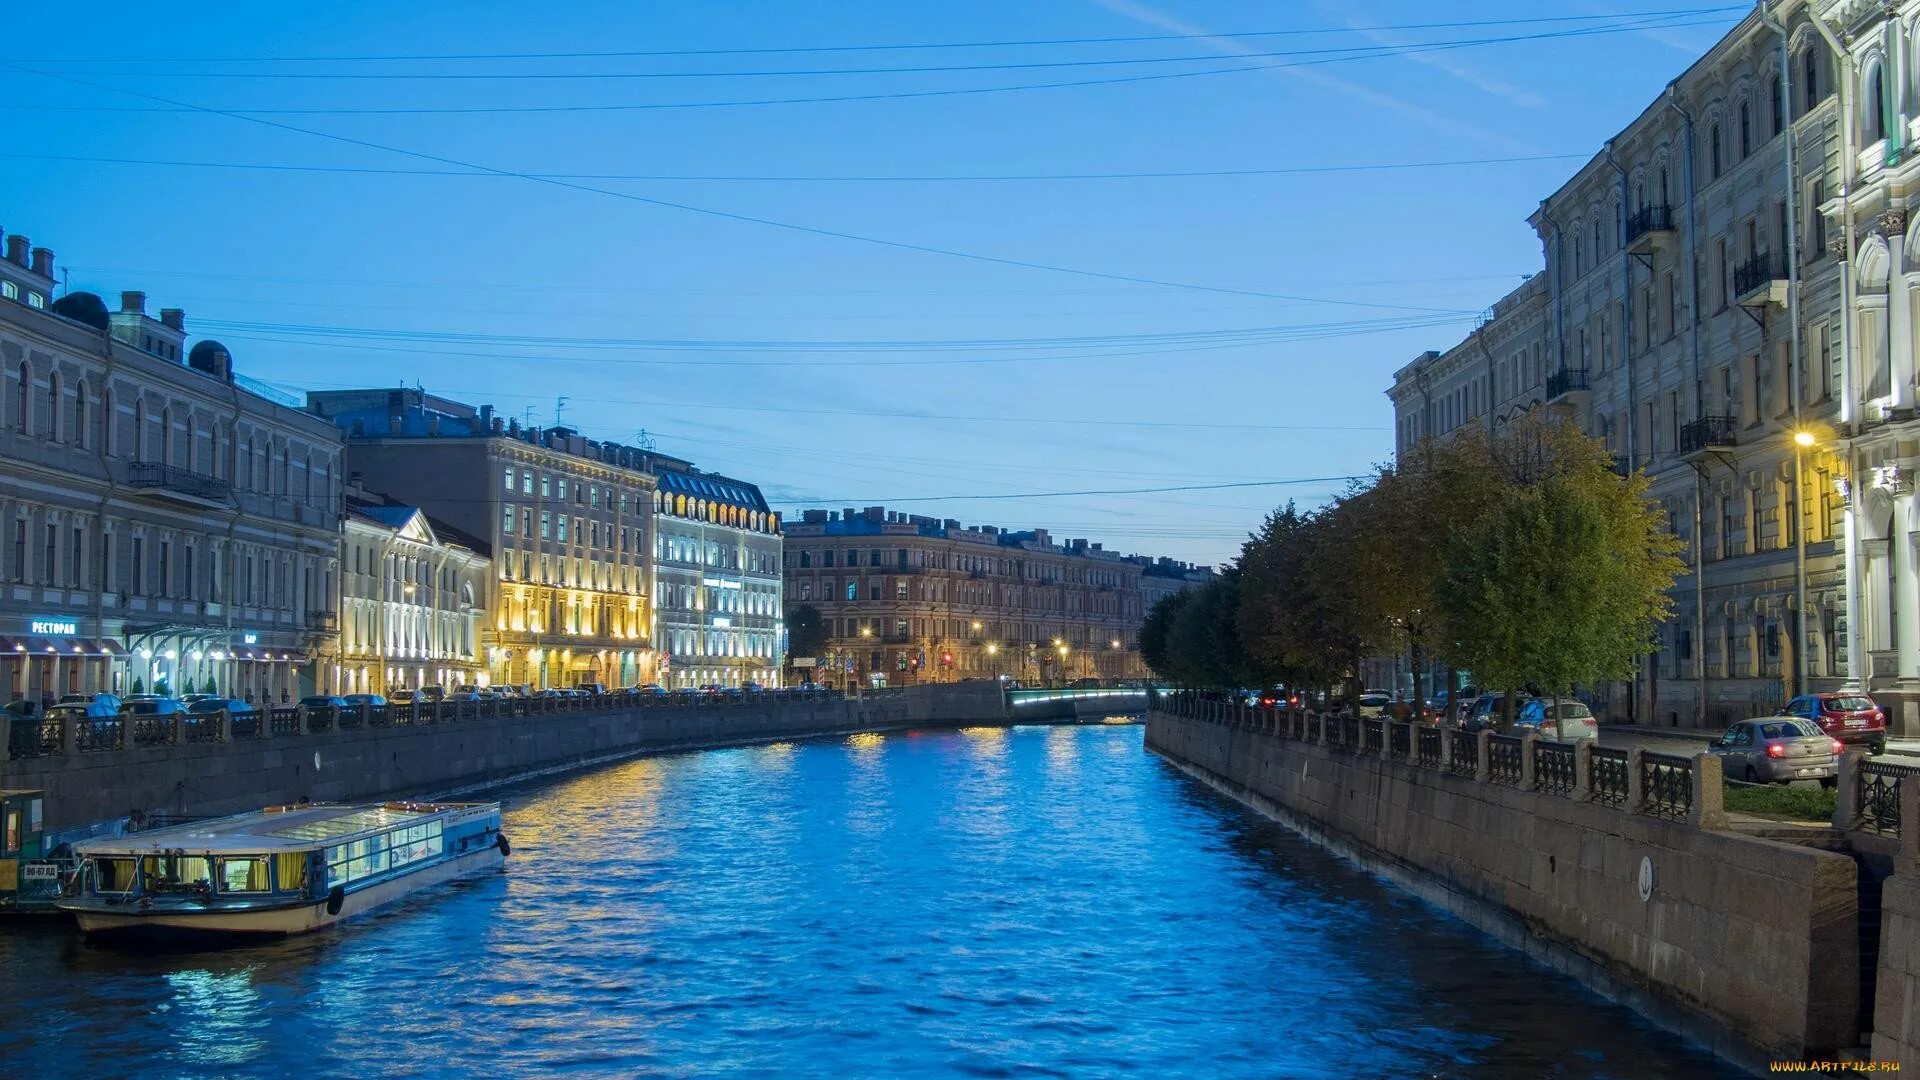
[[284, 920]]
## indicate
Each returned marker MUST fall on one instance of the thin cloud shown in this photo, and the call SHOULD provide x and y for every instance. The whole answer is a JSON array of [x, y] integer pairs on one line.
[[1515, 95], [1688, 43], [1434, 119]]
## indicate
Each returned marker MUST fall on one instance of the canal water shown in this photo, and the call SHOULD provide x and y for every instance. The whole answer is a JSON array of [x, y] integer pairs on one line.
[[989, 902]]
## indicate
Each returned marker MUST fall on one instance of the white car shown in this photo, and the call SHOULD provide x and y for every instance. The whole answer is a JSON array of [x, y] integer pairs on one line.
[[1373, 703]]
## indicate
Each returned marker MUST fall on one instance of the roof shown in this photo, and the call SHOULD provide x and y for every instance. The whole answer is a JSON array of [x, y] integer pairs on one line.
[[711, 486], [299, 828]]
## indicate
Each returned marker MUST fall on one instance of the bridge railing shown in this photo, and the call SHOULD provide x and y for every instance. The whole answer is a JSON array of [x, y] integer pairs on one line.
[[1685, 789]]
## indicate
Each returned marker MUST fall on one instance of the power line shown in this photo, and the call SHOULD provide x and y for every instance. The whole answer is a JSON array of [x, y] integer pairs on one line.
[[922, 178], [877, 47], [872, 500], [899, 245], [17, 104]]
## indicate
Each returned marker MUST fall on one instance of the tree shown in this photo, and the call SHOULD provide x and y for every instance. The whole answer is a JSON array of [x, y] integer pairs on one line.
[[1286, 617], [806, 635], [1565, 583], [1203, 640], [1155, 630]]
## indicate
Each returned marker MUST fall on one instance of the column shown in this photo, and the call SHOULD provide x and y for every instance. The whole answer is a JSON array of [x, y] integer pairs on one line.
[[1858, 672], [1901, 542], [1899, 313]]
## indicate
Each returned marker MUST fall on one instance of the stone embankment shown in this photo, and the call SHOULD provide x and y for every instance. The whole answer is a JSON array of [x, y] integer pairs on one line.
[[1614, 866], [98, 769]]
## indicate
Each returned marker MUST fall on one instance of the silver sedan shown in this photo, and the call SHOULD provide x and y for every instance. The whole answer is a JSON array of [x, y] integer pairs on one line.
[[1778, 749]]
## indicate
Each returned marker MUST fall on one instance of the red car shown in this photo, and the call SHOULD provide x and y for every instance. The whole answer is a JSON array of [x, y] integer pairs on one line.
[[1849, 716]]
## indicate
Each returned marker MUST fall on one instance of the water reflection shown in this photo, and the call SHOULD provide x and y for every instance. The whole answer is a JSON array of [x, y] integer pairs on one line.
[[989, 902]]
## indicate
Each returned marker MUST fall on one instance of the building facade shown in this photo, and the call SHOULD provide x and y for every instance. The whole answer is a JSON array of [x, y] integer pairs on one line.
[[410, 601], [568, 521], [163, 522], [1726, 299], [906, 599], [718, 615]]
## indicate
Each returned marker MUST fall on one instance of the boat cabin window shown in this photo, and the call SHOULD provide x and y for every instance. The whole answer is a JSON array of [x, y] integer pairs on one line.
[[243, 875], [13, 832], [113, 875], [383, 851], [173, 873], [290, 867]]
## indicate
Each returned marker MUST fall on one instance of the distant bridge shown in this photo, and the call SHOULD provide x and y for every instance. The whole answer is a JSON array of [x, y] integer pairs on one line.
[[1085, 703]]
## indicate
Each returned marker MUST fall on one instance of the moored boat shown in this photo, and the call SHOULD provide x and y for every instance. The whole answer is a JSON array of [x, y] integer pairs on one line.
[[282, 870]]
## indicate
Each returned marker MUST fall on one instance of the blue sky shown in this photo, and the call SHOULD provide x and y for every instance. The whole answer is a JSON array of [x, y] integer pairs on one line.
[[833, 371]]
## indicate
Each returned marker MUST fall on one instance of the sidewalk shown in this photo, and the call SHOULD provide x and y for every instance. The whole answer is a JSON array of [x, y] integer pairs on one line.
[[1695, 734]]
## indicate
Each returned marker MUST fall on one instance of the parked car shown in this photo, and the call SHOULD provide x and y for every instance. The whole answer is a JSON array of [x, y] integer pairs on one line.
[[1559, 719], [1084, 684], [1778, 749], [1849, 716], [653, 690], [210, 705], [1372, 703], [1486, 711], [325, 701], [21, 709], [591, 688], [752, 688], [433, 693], [93, 704], [462, 694], [145, 707], [357, 700]]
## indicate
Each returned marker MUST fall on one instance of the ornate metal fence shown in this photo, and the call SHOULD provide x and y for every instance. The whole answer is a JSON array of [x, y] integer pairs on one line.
[[1428, 747], [1466, 752], [1666, 785], [1372, 735], [1607, 775], [1504, 759], [1553, 767], [1876, 796], [1400, 737]]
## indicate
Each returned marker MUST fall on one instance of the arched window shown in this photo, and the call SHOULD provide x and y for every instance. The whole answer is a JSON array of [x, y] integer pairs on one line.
[[23, 401], [80, 414], [309, 468], [1746, 130], [166, 436], [192, 461], [53, 406], [1879, 111], [1666, 198], [1715, 158], [1809, 78], [1597, 248], [140, 430]]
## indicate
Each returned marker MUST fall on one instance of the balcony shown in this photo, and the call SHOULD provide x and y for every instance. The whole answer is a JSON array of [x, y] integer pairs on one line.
[[1760, 281], [322, 622], [1705, 435], [184, 485], [1648, 228], [1566, 381]]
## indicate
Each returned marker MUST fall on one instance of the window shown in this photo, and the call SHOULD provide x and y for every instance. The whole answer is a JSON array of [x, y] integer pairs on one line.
[[1809, 79], [1816, 221], [1878, 112], [23, 401], [853, 590], [509, 475], [78, 560], [546, 487], [1746, 130], [506, 519], [49, 563], [546, 525], [1724, 282], [1714, 154], [9, 290]]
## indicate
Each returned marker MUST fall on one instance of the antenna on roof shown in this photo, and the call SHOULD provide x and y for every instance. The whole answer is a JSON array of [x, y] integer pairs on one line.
[[559, 406], [643, 440], [528, 414]]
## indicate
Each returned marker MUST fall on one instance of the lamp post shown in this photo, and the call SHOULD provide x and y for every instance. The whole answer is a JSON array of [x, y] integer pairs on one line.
[[1801, 441]]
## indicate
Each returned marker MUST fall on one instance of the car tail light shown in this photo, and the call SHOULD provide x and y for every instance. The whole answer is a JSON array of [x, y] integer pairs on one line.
[[1839, 748], [1776, 750]]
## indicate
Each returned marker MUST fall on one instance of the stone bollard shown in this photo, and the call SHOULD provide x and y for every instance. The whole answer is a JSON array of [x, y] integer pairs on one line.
[[265, 731], [1386, 738], [179, 728], [1708, 808], [1529, 779], [1636, 784], [1583, 770], [1446, 750], [223, 725], [1909, 823], [1483, 757], [69, 735], [1846, 789]]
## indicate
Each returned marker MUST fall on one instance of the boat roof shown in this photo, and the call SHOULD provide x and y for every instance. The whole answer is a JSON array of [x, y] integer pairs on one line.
[[276, 828]]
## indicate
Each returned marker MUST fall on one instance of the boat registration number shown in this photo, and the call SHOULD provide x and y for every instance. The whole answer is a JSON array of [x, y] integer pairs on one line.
[[39, 872]]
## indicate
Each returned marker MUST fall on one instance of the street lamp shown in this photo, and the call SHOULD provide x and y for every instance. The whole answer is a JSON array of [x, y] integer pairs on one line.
[[1802, 440]]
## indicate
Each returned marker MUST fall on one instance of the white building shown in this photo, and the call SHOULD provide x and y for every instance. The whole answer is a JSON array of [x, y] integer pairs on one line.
[[410, 601], [717, 579]]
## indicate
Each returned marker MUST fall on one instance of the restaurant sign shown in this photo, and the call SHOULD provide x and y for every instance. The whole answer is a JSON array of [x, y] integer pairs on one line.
[[53, 627]]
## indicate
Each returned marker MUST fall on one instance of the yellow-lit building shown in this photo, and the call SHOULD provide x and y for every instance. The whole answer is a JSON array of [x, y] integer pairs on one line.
[[410, 601]]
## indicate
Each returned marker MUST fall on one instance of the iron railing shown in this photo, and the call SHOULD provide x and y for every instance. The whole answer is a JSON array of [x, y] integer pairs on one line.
[[1876, 796], [1666, 785], [1756, 273], [152, 474], [1565, 381], [1649, 219], [1504, 759], [1400, 741], [1706, 433], [1372, 735], [1607, 775], [1553, 767], [1429, 747], [1466, 752]]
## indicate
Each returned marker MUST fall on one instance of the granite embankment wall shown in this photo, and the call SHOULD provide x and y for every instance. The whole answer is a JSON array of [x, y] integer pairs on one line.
[[420, 759], [1749, 945]]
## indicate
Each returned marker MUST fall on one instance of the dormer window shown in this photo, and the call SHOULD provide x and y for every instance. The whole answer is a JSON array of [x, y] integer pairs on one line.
[[35, 300], [9, 290]]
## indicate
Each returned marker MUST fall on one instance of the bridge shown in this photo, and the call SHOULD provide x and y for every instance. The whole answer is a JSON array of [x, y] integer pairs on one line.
[[1076, 703]]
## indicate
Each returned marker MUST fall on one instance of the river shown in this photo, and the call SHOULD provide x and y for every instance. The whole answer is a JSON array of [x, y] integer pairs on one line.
[[991, 902]]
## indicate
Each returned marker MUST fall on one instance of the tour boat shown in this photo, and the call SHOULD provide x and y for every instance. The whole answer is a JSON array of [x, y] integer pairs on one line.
[[282, 870]]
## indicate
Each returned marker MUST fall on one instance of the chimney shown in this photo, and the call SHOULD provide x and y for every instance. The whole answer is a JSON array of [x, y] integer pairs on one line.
[[393, 424], [43, 262], [173, 318], [486, 416], [133, 303], [498, 427], [17, 249]]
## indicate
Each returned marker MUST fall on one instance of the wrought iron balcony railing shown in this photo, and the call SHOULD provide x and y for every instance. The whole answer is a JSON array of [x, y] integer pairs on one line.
[[1757, 273], [1649, 219], [1565, 381], [1706, 433], [152, 474]]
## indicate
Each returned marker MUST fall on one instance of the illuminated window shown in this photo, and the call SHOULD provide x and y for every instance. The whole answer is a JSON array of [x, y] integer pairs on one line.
[[526, 482], [506, 519], [853, 590], [509, 479], [546, 487]]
